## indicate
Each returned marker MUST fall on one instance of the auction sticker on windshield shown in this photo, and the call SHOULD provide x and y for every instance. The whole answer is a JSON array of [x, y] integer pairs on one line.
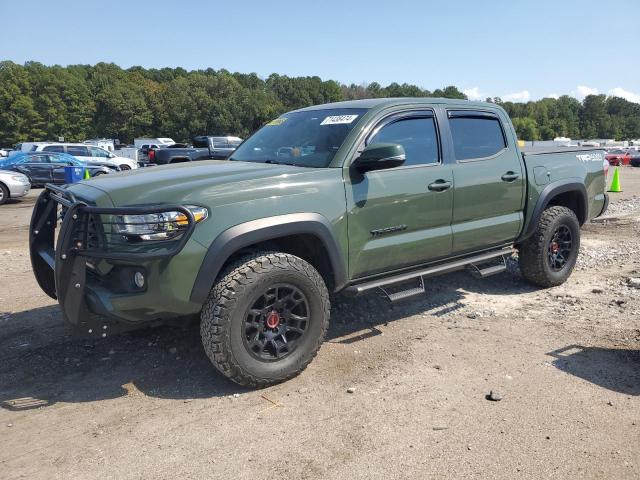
[[338, 119]]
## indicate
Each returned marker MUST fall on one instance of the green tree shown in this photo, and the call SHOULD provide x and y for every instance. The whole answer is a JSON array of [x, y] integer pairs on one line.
[[526, 128]]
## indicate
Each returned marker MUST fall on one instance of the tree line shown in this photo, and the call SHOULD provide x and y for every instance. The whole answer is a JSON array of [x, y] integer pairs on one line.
[[39, 102]]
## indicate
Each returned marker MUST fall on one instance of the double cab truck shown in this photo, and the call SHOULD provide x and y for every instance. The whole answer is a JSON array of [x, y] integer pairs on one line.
[[204, 148], [348, 197]]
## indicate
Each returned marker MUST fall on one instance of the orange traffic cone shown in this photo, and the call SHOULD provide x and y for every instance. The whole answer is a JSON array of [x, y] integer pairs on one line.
[[615, 183]]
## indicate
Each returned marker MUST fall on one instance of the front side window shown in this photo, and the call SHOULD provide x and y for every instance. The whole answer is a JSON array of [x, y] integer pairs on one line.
[[476, 137], [416, 135], [37, 159], [99, 153], [306, 139]]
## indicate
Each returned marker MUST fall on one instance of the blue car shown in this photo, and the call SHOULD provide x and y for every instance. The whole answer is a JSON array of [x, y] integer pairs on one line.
[[43, 167]]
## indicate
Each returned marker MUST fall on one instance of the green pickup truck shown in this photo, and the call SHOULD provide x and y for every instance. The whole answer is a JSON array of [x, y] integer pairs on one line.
[[347, 197]]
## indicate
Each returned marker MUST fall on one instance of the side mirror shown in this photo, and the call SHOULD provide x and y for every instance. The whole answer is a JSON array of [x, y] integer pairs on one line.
[[380, 156]]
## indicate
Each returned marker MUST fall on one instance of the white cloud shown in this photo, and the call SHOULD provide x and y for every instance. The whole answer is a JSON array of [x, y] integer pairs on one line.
[[474, 94], [523, 96], [553, 95], [583, 91], [621, 92]]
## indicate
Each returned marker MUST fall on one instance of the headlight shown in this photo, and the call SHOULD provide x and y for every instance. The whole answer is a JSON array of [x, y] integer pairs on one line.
[[157, 226], [20, 178]]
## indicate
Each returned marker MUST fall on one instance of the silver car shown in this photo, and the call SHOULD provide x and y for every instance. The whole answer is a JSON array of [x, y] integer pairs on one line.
[[13, 185]]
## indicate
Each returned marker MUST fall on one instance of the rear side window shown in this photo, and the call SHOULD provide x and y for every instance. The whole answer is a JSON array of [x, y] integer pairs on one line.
[[78, 151], [417, 135], [476, 137], [54, 148]]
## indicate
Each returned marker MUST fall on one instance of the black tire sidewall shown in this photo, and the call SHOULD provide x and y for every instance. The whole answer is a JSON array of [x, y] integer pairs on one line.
[[307, 346], [572, 224], [5, 194]]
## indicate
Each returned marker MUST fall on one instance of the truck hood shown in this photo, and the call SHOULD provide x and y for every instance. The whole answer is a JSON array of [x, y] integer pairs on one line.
[[203, 182]]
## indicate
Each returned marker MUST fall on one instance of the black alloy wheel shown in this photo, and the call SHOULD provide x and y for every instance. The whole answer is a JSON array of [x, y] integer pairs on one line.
[[560, 248], [276, 322]]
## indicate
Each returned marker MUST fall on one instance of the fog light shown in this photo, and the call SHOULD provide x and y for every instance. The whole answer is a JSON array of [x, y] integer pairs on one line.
[[138, 278]]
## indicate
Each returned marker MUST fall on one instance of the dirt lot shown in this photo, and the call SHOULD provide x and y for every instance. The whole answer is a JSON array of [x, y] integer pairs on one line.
[[149, 405]]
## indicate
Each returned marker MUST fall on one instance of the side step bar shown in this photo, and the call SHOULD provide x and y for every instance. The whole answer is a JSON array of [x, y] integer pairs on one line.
[[487, 272], [431, 271]]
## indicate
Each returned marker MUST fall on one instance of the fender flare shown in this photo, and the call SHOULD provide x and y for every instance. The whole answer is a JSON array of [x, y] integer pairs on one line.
[[256, 231], [548, 193]]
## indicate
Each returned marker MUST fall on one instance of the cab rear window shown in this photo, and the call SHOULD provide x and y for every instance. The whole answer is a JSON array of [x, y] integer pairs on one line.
[[476, 137]]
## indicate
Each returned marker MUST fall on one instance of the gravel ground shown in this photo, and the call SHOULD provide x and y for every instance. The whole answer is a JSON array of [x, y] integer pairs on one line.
[[484, 378]]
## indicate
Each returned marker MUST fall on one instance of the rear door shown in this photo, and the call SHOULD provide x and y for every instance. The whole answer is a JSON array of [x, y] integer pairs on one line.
[[489, 181], [58, 163], [401, 217]]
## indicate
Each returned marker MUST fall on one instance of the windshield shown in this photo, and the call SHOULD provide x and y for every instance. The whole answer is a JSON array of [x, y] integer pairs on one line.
[[306, 139]]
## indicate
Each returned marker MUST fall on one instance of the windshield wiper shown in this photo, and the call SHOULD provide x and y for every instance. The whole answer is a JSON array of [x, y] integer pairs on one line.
[[271, 161]]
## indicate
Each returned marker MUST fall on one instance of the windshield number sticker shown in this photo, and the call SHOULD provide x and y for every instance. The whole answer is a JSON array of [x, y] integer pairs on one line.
[[277, 121], [338, 119]]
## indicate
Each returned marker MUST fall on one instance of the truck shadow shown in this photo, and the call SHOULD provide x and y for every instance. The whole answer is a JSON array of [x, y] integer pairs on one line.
[[165, 362], [444, 297], [42, 364], [615, 369]]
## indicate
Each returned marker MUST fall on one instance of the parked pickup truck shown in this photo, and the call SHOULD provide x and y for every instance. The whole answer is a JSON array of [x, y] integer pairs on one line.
[[351, 197], [204, 148]]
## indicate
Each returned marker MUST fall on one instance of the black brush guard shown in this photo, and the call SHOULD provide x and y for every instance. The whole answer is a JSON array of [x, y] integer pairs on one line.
[[60, 266]]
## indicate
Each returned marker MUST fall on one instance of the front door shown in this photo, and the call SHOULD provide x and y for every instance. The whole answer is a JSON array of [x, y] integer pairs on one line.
[[37, 168], [489, 181], [401, 217]]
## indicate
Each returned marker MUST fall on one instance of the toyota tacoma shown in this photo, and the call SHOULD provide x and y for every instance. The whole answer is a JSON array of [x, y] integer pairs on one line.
[[348, 197]]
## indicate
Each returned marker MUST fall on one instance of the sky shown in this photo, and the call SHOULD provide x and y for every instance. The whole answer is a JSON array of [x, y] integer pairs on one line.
[[512, 49]]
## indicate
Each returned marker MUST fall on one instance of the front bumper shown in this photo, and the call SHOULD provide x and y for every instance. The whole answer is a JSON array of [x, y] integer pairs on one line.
[[93, 280], [18, 189]]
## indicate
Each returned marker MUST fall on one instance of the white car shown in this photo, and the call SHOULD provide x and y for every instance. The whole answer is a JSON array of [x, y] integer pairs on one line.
[[89, 153], [13, 185]]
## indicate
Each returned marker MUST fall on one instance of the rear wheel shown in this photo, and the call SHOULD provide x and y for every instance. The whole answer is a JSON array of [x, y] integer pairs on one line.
[[4, 194], [265, 318], [125, 167], [548, 257]]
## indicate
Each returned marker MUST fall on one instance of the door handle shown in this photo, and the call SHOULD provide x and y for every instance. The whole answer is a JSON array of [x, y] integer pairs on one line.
[[439, 186], [510, 177]]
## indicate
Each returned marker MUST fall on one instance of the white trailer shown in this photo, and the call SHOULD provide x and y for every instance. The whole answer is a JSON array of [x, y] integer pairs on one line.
[[160, 142], [106, 143], [129, 152]]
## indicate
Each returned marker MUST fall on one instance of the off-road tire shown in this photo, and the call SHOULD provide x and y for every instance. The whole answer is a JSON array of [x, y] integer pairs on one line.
[[223, 314], [4, 194], [533, 253]]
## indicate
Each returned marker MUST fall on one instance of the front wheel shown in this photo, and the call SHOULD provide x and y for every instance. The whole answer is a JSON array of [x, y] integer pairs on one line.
[[265, 318], [4, 194], [548, 257]]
